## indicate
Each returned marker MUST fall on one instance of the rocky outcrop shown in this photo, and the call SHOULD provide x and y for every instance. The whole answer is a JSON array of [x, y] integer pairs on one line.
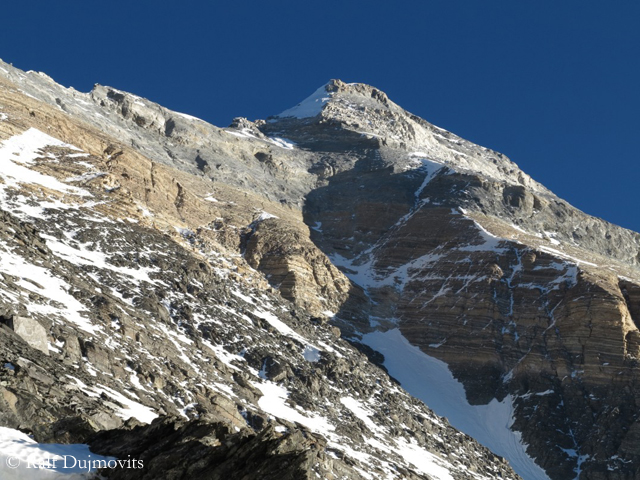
[[295, 266], [141, 271], [519, 293], [517, 317], [204, 448], [345, 207]]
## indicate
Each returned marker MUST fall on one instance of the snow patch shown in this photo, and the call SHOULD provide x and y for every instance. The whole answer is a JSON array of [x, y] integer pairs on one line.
[[421, 459], [360, 412], [94, 258], [273, 401], [560, 254], [42, 282], [20, 455], [431, 169], [310, 106], [489, 241], [86, 177], [188, 117], [264, 216], [243, 133], [282, 143], [431, 381], [128, 409], [23, 149], [279, 325]]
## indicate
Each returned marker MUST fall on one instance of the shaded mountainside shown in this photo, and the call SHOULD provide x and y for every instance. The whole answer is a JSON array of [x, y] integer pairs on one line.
[[198, 274]]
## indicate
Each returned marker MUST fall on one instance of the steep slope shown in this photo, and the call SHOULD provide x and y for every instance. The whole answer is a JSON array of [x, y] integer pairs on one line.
[[446, 251], [134, 320], [524, 297]]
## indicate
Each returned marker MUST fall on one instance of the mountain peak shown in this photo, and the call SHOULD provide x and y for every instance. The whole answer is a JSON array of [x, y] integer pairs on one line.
[[341, 115], [355, 93], [310, 106], [177, 269]]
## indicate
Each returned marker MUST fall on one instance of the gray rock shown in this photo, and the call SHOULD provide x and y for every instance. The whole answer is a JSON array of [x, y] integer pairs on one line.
[[32, 332], [376, 186]]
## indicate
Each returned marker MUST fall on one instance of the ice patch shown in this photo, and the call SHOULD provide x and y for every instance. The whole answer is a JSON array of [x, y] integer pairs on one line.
[[311, 354]]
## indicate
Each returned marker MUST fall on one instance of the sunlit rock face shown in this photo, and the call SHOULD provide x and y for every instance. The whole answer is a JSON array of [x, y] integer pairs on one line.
[[519, 293], [196, 275], [161, 300]]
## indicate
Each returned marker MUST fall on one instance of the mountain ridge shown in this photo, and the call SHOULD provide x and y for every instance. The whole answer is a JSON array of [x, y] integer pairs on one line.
[[134, 272], [399, 228]]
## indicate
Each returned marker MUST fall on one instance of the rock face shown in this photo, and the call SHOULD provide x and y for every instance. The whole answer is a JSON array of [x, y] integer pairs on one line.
[[198, 274], [519, 293], [185, 319], [205, 448]]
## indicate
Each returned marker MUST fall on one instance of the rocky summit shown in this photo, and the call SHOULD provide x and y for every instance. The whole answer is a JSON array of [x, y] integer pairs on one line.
[[340, 291]]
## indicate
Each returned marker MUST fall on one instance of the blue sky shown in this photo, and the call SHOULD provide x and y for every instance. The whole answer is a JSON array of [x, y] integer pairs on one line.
[[553, 85]]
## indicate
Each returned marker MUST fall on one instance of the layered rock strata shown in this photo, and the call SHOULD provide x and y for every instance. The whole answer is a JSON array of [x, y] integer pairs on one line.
[[358, 211], [143, 276]]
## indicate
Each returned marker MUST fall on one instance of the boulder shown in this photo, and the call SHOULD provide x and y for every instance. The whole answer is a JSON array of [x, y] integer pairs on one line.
[[31, 331]]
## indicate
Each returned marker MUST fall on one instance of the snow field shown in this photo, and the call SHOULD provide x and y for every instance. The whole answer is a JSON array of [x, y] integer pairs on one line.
[[431, 381]]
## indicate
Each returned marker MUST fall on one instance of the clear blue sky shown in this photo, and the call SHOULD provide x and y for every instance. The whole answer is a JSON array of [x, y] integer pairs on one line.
[[552, 84]]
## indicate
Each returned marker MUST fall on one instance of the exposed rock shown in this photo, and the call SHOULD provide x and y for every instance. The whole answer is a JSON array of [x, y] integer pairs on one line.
[[144, 272], [209, 449], [295, 266], [31, 332], [194, 270]]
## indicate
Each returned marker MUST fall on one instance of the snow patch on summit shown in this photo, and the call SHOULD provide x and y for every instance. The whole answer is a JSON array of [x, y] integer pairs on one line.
[[310, 106]]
